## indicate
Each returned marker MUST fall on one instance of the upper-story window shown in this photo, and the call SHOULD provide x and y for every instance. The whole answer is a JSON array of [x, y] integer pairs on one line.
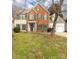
[[20, 16], [45, 17], [32, 17], [39, 16], [17, 17], [23, 17]]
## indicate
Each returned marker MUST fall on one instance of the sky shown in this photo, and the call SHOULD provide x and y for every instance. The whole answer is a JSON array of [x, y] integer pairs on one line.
[[31, 3]]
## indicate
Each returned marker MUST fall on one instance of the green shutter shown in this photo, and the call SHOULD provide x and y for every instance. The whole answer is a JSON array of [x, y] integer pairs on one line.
[[45, 26], [23, 26], [20, 16], [23, 17], [39, 26], [17, 17], [45, 17]]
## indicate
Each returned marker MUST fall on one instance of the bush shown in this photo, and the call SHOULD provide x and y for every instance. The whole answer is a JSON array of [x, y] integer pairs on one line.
[[17, 29], [49, 30]]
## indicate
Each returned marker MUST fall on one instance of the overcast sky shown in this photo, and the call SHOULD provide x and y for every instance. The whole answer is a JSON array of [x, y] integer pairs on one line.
[[31, 3], [44, 3]]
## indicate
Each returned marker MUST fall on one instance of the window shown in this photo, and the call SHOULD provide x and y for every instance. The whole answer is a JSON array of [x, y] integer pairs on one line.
[[45, 17], [18, 25], [39, 16], [20, 16], [23, 17], [17, 17], [45, 26], [32, 17], [23, 26], [39, 26]]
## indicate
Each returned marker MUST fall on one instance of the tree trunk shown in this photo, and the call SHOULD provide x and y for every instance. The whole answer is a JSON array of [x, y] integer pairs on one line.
[[65, 25], [54, 24]]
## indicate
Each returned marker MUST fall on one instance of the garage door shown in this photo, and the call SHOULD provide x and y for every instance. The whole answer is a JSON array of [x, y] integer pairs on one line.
[[59, 27]]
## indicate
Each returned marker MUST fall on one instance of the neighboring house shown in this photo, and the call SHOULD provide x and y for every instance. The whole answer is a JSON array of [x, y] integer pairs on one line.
[[60, 25], [20, 21], [37, 19]]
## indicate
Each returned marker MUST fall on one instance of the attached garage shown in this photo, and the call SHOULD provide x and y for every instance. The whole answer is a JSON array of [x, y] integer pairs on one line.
[[60, 27]]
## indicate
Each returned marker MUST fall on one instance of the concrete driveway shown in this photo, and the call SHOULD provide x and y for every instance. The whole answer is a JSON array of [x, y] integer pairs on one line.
[[61, 34]]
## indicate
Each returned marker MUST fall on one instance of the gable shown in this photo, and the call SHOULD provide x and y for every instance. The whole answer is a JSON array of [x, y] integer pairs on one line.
[[60, 20], [39, 9]]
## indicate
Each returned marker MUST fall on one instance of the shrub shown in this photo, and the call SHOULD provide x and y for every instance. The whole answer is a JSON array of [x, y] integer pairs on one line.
[[49, 30], [16, 29]]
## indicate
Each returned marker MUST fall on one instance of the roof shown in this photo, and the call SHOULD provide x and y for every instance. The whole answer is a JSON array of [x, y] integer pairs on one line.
[[28, 10], [25, 11], [59, 19], [44, 8], [41, 6]]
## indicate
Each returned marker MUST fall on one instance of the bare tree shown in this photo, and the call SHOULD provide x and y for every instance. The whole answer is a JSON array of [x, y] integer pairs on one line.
[[55, 8], [16, 13]]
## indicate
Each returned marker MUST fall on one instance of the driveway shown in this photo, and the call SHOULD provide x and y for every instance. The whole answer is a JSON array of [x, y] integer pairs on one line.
[[61, 34]]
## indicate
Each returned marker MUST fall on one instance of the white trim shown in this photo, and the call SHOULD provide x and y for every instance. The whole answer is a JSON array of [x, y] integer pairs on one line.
[[31, 21]]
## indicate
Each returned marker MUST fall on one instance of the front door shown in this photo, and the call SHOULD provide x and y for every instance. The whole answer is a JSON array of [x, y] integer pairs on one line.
[[32, 26]]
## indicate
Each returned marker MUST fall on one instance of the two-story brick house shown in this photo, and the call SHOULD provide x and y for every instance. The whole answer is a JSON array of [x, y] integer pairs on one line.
[[37, 19]]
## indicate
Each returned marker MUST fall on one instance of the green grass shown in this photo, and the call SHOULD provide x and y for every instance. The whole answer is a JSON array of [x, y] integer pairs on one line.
[[38, 46]]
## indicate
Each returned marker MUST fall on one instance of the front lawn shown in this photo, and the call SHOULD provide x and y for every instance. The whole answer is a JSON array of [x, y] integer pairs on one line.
[[38, 46]]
